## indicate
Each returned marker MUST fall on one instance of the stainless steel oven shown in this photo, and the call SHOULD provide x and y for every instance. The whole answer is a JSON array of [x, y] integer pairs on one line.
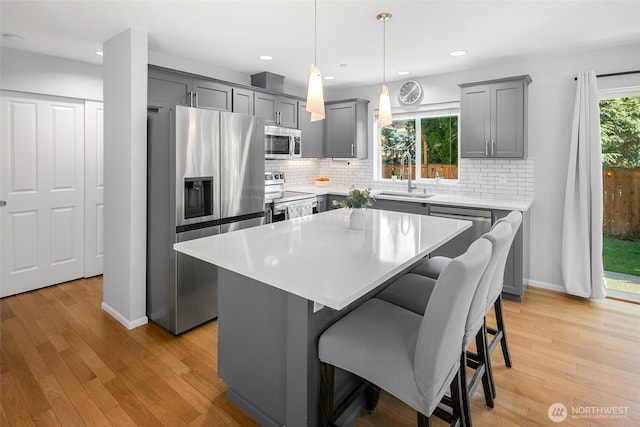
[[281, 204], [282, 143]]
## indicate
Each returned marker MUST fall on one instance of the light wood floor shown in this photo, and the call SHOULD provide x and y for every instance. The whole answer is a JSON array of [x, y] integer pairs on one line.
[[63, 361]]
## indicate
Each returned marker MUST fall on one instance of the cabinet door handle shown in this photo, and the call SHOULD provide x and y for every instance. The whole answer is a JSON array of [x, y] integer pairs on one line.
[[493, 148], [196, 94], [352, 150], [190, 101], [486, 148]]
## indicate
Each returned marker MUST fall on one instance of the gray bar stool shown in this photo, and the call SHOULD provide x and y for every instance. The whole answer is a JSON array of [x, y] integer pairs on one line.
[[431, 267], [415, 358], [412, 292], [494, 298]]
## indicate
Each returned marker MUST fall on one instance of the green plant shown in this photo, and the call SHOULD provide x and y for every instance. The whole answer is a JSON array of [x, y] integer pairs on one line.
[[356, 199]]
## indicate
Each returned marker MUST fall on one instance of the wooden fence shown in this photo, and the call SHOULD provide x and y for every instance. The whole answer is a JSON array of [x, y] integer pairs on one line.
[[621, 199], [445, 171]]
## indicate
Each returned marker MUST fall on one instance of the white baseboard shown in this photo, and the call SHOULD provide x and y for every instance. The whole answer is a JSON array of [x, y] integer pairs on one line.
[[549, 286], [129, 324]]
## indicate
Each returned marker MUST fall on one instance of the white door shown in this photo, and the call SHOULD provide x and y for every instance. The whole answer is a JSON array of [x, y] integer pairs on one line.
[[42, 183], [94, 187]]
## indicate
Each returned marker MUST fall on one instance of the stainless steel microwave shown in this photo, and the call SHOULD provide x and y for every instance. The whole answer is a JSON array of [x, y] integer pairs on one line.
[[282, 143]]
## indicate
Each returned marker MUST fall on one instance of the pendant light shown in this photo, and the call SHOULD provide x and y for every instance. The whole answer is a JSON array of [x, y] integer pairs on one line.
[[315, 97], [384, 104]]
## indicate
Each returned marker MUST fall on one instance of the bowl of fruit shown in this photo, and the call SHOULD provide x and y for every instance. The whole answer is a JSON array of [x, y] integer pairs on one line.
[[322, 181]]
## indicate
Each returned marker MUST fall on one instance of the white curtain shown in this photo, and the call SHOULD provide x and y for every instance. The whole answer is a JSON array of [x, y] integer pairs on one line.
[[582, 269]]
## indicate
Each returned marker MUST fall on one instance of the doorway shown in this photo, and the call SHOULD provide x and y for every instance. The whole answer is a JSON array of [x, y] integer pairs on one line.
[[620, 132]]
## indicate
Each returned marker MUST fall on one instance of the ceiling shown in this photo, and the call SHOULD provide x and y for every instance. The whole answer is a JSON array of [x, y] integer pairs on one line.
[[419, 36]]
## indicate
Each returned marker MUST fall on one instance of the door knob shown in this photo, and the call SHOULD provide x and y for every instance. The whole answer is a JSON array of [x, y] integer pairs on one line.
[[3, 203]]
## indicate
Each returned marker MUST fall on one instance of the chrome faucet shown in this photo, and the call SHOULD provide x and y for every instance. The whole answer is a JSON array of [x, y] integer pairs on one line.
[[408, 156]]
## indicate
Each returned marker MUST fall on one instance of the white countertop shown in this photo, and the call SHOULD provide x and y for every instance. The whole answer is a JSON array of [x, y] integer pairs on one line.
[[320, 259], [437, 199]]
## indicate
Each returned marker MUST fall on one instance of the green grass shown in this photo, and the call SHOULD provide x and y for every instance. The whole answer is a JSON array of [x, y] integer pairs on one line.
[[621, 256]]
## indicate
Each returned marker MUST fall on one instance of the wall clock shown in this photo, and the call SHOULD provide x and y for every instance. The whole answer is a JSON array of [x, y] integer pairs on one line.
[[410, 92]]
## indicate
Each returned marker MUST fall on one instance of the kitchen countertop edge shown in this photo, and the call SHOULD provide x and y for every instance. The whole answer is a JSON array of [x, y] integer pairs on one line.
[[437, 199]]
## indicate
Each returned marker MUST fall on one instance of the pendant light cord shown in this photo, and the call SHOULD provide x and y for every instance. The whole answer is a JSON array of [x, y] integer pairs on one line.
[[315, 32], [384, 51]]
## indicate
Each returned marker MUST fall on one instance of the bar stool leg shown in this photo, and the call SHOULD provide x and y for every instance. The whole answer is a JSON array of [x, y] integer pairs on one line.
[[326, 394], [500, 325]]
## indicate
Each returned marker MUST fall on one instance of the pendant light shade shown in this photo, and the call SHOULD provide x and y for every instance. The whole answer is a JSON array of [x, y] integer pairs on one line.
[[384, 108], [315, 95], [384, 104]]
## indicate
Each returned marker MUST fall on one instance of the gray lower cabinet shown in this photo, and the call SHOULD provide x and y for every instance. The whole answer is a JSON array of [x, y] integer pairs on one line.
[[334, 198], [322, 202], [399, 206], [312, 133], [493, 118], [482, 220], [168, 89], [513, 271], [346, 129], [276, 109]]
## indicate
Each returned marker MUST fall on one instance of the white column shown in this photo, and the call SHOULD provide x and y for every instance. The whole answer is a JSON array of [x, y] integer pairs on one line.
[[125, 177]]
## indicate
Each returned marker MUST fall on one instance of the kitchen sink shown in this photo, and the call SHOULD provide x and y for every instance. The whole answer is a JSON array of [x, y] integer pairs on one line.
[[406, 194]]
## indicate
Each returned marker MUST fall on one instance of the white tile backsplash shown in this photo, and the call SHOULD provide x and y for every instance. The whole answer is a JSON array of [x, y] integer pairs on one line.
[[486, 178]]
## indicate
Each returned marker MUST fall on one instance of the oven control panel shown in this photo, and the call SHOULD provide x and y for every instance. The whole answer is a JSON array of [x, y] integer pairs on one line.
[[271, 178]]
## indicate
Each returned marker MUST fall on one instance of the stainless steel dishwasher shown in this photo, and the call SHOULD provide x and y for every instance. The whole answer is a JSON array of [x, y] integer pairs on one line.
[[481, 219]]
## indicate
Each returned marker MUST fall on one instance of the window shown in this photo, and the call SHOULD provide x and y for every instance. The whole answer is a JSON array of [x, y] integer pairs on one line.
[[431, 138]]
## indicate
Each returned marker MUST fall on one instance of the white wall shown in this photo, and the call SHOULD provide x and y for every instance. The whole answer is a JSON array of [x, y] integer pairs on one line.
[[125, 177], [551, 101], [49, 75]]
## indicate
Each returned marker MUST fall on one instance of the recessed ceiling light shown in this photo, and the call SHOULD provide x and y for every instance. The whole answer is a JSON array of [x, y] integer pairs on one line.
[[12, 37], [403, 73], [266, 57], [329, 77], [100, 53], [458, 53]]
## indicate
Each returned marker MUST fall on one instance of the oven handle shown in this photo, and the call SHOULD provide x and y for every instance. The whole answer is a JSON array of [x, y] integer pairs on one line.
[[281, 207]]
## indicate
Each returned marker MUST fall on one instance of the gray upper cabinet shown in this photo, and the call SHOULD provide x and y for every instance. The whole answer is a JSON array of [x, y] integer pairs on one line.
[[211, 95], [493, 118], [346, 129], [168, 89], [312, 133], [242, 101], [276, 110]]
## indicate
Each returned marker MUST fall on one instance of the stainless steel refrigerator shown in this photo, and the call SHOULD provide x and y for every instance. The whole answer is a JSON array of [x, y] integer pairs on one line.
[[205, 172]]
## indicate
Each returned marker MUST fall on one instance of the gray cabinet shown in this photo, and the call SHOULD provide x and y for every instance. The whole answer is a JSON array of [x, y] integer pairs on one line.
[[276, 109], [346, 129], [322, 202], [333, 197], [167, 89], [482, 220], [399, 206], [513, 272], [493, 117], [242, 101], [312, 133]]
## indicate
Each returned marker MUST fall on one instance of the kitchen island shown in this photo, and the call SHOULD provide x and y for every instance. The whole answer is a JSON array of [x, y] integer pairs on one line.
[[282, 284]]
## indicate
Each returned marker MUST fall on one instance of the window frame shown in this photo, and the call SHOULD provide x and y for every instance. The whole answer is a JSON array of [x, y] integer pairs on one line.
[[445, 109]]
